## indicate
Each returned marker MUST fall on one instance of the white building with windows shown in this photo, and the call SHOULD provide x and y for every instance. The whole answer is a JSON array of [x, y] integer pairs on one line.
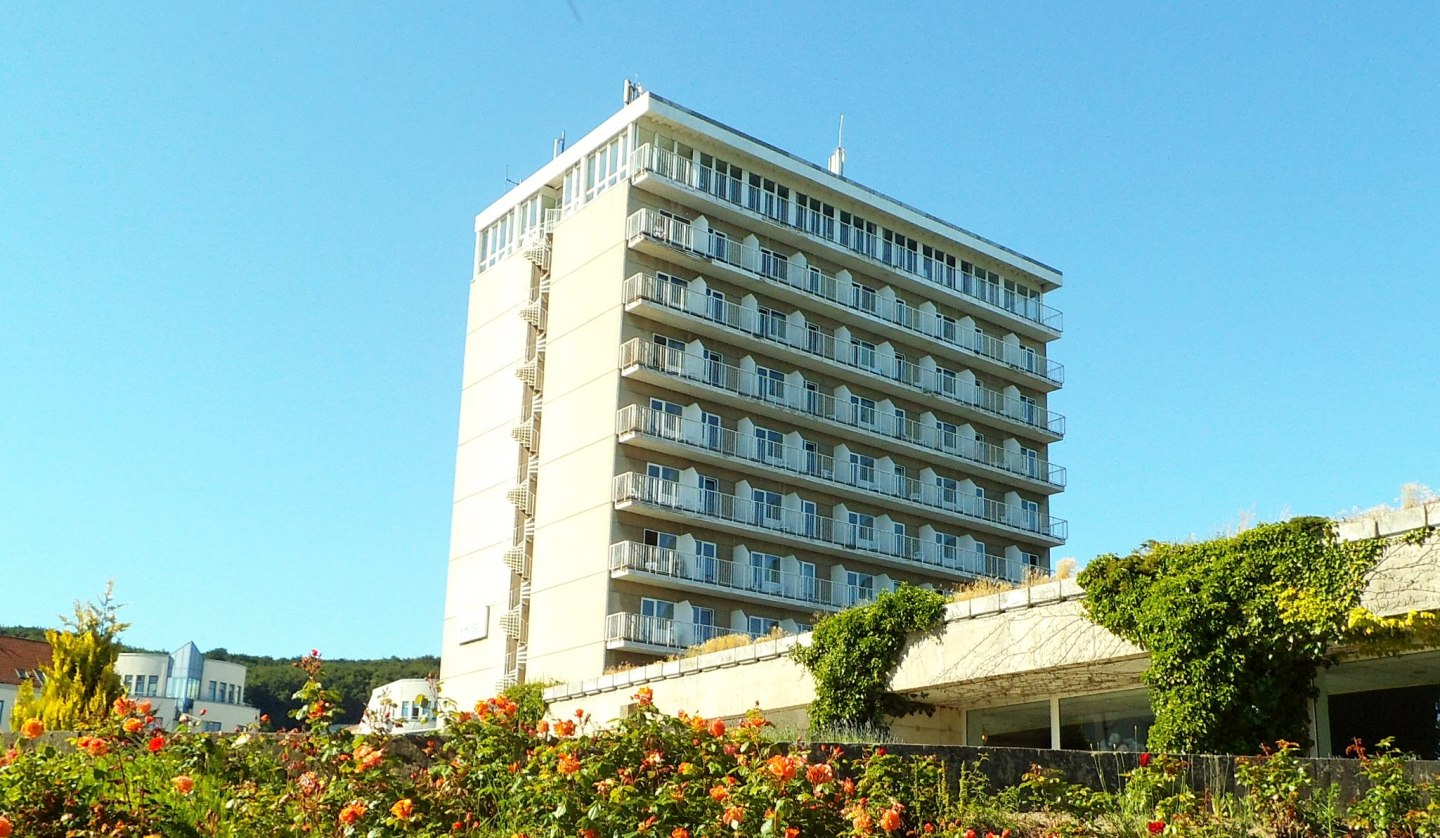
[[711, 388], [408, 705], [184, 682]]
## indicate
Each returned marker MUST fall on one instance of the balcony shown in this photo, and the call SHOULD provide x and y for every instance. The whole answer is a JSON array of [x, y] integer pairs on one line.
[[728, 447], [712, 575], [778, 523], [801, 342], [658, 635], [847, 241], [854, 419]]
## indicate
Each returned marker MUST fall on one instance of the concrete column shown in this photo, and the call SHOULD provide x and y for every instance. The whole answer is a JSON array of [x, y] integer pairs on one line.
[[1054, 723], [1320, 718]]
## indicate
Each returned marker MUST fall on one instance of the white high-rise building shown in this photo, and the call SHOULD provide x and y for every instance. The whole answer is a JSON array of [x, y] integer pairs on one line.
[[711, 388]]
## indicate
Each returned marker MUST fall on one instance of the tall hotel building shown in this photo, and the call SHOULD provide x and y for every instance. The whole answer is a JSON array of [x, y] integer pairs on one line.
[[711, 388]]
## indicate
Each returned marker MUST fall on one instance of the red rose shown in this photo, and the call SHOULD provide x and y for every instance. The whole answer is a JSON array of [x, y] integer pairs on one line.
[[156, 744], [1145, 760]]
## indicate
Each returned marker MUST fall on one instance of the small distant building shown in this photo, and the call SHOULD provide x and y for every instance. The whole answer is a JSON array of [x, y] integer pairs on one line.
[[184, 682], [403, 706], [20, 660]]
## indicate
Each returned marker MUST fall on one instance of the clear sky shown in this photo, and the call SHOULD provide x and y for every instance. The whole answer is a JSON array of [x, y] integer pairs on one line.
[[235, 244]]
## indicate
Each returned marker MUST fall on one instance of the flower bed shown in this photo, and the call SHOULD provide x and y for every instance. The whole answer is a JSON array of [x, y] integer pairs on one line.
[[503, 769]]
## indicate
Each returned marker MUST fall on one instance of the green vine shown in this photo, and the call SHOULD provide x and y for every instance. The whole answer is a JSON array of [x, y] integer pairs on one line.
[[1235, 627], [854, 653]]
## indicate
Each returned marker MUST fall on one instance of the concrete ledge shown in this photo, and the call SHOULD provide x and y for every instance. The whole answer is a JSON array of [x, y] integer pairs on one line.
[[1402, 520]]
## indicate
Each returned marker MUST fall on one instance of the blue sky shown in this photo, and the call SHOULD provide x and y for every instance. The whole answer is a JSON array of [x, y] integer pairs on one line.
[[235, 244]]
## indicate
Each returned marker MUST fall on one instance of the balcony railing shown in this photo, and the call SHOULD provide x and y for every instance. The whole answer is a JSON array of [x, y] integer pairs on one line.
[[798, 524], [863, 476], [722, 573], [627, 627], [809, 336], [992, 295], [785, 393]]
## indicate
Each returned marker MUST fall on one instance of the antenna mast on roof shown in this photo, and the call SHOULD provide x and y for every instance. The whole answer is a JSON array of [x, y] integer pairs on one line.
[[837, 158], [558, 146], [632, 91]]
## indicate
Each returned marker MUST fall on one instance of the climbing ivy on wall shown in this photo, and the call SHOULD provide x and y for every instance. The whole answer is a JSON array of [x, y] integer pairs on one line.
[[853, 654], [1235, 627]]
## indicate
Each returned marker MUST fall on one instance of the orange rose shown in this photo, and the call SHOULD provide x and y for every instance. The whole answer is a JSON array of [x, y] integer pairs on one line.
[[183, 784], [890, 820], [403, 809], [719, 794], [122, 706], [565, 728], [352, 812], [366, 758], [717, 728], [92, 745], [792, 832], [568, 764], [32, 728], [143, 708], [645, 696], [679, 832], [819, 774], [6, 827], [781, 768], [732, 817], [133, 725]]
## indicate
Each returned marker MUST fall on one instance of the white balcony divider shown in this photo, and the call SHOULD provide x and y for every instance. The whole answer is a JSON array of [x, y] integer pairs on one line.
[[658, 424], [799, 525], [722, 573], [746, 383], [666, 164]]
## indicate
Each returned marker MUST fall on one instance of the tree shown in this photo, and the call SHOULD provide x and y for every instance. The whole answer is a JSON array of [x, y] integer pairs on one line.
[[80, 683]]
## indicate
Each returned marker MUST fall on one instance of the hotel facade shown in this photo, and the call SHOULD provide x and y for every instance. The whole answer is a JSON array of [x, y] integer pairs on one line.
[[711, 388]]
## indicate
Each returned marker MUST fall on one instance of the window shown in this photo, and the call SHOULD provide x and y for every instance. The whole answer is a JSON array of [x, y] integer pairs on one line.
[[720, 246], [659, 550], [762, 626], [810, 515], [949, 435], [127, 681], [808, 588], [857, 234], [814, 342], [1030, 459], [902, 481], [947, 380], [704, 624], [714, 368], [767, 507], [769, 198], [772, 384], [948, 328], [712, 434], [234, 694], [812, 458], [947, 547], [720, 179], [1028, 411], [812, 397], [860, 587], [903, 371], [901, 251], [662, 485], [671, 290], [815, 281], [152, 685], [715, 305], [770, 323], [774, 265], [862, 354], [949, 492], [863, 410], [862, 297], [708, 563], [710, 495], [657, 621], [862, 529], [210, 691], [664, 419], [210, 727], [1030, 515], [814, 216], [670, 353], [862, 470], [769, 445], [1028, 359], [765, 573], [902, 545], [937, 266], [901, 430]]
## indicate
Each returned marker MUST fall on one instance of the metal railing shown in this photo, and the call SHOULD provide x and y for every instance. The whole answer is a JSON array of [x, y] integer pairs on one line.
[[792, 393], [863, 476], [993, 295], [660, 631], [723, 573], [864, 301], [778, 519]]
